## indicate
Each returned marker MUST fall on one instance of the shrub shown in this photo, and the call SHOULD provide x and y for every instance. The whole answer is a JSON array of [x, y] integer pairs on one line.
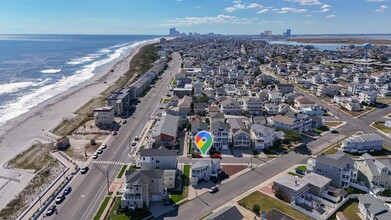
[[256, 208]]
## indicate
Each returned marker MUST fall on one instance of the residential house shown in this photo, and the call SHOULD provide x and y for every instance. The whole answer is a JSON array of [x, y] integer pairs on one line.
[[240, 135], [230, 107], [368, 97], [253, 106], [302, 102], [339, 167], [362, 143], [285, 88], [140, 187], [275, 96], [184, 105], [376, 174], [220, 132], [199, 108], [104, 116], [291, 121], [166, 130], [373, 208], [216, 116], [163, 159], [262, 137], [198, 88], [205, 168]]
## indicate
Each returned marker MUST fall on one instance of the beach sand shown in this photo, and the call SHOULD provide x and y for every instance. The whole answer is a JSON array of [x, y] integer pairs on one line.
[[19, 133]]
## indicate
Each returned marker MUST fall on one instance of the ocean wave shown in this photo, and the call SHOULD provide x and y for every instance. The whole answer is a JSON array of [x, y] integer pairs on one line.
[[25, 103], [51, 71], [81, 60]]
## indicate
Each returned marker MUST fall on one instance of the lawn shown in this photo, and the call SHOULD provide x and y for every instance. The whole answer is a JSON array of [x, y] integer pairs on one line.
[[349, 209], [301, 168], [102, 208], [117, 213], [122, 171], [332, 123], [178, 196], [295, 174], [277, 149], [352, 190], [333, 149], [267, 203], [382, 127]]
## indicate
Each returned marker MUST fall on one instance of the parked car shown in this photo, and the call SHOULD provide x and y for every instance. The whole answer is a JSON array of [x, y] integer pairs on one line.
[[67, 190], [84, 170], [124, 122], [215, 155], [60, 199], [114, 133], [300, 172], [334, 132], [103, 146], [134, 143], [137, 138], [95, 156], [214, 189], [51, 210], [99, 151], [197, 155]]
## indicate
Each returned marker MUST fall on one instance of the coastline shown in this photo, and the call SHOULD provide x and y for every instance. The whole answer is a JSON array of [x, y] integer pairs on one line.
[[19, 133], [338, 41]]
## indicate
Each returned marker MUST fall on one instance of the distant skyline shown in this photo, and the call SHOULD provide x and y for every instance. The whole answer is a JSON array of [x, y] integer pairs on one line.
[[202, 16]]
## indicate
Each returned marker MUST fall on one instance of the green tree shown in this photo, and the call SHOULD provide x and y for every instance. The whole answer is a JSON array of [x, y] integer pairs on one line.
[[292, 136], [256, 208]]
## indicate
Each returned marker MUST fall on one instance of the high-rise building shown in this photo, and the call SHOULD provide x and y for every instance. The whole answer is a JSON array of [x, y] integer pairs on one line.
[[173, 32], [287, 33]]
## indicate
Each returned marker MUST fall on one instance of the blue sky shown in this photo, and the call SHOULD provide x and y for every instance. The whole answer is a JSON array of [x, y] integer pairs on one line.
[[202, 16]]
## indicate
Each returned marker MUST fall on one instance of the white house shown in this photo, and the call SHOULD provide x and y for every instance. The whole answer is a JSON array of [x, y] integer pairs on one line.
[[373, 208], [204, 168], [362, 143], [368, 97], [252, 105], [104, 116], [150, 159], [220, 132], [275, 96], [262, 137]]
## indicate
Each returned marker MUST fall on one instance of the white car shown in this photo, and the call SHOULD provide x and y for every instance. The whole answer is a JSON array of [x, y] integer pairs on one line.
[[95, 156], [99, 151], [103, 146]]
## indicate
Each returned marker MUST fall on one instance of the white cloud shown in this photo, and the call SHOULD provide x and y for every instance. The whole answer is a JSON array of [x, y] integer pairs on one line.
[[376, 0], [263, 11], [219, 19], [239, 5], [309, 22], [306, 2], [199, 6], [277, 22], [293, 10], [382, 8], [331, 16]]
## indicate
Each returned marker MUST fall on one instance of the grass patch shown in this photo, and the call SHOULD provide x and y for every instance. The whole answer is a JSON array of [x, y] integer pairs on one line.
[[332, 123], [122, 171], [118, 213], [191, 150], [349, 209], [277, 149], [302, 168], [67, 126], [102, 208], [132, 167], [34, 158], [333, 149], [267, 203], [381, 127], [183, 193], [317, 131]]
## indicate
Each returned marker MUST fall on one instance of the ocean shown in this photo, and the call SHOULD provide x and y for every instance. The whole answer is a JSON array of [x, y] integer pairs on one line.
[[34, 68]]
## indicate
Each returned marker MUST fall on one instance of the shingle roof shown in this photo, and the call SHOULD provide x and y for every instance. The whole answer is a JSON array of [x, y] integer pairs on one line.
[[227, 213], [339, 159], [375, 206], [168, 125], [157, 152], [142, 176], [220, 125]]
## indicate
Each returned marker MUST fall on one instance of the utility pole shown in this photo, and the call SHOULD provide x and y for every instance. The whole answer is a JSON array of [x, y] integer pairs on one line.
[[252, 160]]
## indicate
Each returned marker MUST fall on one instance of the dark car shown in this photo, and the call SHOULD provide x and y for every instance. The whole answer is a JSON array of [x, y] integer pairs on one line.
[[214, 189], [300, 172], [59, 199], [51, 210], [334, 132], [84, 170], [67, 190]]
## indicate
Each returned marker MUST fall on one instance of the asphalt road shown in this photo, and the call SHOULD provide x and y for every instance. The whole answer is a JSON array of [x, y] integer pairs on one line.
[[90, 189], [207, 202]]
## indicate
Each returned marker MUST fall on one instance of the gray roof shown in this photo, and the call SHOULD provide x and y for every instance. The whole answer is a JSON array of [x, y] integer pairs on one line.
[[216, 115], [375, 206], [317, 180], [199, 126], [374, 165], [226, 213], [168, 125], [339, 159], [142, 176], [291, 182], [157, 153], [364, 138], [218, 125], [204, 162], [276, 214]]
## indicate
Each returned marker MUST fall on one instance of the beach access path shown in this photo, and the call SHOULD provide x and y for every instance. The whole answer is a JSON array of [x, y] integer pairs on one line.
[[19, 133]]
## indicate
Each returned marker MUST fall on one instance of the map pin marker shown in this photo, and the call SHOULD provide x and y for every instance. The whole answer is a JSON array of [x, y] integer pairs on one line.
[[204, 142]]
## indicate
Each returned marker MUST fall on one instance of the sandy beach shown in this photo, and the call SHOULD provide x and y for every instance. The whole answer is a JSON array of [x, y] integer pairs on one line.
[[20, 133]]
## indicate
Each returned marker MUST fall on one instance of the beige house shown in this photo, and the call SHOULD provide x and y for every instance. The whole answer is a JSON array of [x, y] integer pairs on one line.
[[376, 174], [104, 116]]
